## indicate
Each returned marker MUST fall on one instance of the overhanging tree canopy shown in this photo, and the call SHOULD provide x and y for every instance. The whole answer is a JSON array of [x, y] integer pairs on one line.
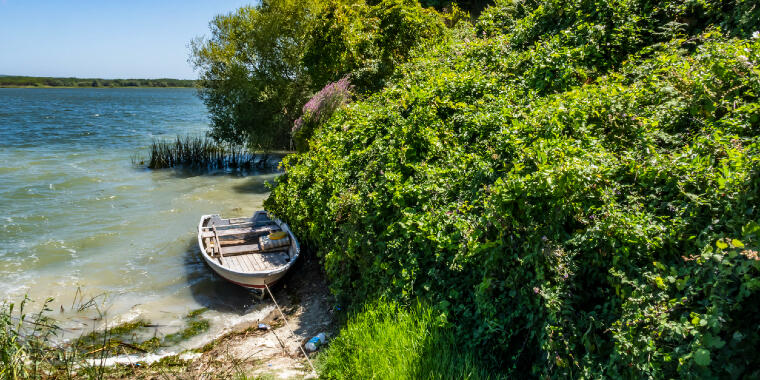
[[251, 76]]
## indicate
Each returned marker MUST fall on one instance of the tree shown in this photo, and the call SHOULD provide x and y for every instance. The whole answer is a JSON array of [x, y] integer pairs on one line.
[[251, 76], [262, 63], [367, 42]]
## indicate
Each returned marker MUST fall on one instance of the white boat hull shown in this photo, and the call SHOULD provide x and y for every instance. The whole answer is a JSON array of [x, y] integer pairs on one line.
[[257, 279]]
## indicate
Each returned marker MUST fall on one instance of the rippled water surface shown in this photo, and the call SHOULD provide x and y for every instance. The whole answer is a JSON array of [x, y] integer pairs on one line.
[[80, 223]]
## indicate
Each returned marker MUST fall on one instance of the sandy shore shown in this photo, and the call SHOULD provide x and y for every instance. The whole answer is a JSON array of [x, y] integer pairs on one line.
[[249, 352]]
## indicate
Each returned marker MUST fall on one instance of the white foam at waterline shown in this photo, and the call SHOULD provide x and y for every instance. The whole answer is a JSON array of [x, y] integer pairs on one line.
[[129, 359], [144, 358]]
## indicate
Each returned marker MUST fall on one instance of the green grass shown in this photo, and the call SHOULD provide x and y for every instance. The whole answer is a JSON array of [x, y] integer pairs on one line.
[[23, 339], [388, 341]]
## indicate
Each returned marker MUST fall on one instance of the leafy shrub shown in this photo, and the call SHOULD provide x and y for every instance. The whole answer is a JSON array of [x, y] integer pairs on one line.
[[318, 110], [571, 43], [367, 41], [560, 211]]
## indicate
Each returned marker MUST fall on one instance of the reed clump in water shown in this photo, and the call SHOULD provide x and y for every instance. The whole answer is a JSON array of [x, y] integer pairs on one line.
[[198, 152]]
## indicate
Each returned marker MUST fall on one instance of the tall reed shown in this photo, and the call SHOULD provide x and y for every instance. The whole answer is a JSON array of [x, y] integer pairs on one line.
[[31, 348], [26, 342], [198, 152]]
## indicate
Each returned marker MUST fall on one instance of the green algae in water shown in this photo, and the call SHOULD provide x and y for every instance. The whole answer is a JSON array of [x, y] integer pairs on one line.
[[126, 335], [195, 325]]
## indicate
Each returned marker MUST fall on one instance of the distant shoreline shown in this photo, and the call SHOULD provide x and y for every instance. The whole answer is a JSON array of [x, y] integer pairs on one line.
[[99, 87], [57, 82]]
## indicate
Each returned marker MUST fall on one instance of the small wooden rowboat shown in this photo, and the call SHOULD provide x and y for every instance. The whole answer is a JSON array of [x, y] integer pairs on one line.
[[250, 252]]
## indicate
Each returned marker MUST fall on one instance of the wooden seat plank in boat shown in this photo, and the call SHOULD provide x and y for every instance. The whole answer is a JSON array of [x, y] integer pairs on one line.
[[231, 250], [241, 231], [256, 221]]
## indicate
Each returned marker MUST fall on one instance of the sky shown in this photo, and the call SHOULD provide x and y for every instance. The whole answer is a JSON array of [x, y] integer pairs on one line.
[[104, 39]]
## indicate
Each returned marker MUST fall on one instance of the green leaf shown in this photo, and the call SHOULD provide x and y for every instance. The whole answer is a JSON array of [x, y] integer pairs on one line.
[[714, 341], [751, 229], [702, 357]]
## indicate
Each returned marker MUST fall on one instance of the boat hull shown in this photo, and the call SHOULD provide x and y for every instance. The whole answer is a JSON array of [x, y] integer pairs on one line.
[[251, 280]]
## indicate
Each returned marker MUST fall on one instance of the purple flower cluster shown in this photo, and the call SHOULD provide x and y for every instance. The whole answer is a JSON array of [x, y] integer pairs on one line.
[[321, 106]]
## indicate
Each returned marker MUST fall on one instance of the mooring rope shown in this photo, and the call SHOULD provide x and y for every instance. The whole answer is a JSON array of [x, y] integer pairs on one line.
[[289, 329]]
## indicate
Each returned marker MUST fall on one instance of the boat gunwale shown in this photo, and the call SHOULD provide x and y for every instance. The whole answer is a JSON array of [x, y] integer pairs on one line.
[[294, 245]]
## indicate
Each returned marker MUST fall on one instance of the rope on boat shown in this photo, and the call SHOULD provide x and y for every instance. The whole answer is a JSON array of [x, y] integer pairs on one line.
[[289, 329]]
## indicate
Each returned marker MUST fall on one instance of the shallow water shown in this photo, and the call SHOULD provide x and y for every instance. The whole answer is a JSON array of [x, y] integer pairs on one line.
[[80, 224]]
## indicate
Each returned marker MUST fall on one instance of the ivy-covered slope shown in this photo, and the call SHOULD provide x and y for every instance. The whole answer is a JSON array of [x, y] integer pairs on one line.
[[573, 184]]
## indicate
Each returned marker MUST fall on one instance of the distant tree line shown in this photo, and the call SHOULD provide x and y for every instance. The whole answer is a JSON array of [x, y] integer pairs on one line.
[[22, 81]]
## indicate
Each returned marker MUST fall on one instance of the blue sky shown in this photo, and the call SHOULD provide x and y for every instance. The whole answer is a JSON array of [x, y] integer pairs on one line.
[[104, 39]]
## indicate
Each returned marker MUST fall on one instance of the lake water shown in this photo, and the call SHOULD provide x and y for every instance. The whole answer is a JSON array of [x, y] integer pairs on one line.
[[107, 241]]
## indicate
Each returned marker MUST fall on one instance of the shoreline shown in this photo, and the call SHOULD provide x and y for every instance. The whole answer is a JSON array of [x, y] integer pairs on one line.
[[244, 348], [98, 87], [241, 348]]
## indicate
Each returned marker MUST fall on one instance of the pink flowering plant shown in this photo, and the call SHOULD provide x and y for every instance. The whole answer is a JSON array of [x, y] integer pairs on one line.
[[319, 109]]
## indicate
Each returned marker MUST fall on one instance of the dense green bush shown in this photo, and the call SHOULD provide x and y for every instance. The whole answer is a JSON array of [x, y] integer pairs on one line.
[[367, 40], [574, 190]]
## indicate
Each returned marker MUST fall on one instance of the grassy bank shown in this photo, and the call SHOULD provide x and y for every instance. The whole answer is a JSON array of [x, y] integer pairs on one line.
[[387, 341]]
